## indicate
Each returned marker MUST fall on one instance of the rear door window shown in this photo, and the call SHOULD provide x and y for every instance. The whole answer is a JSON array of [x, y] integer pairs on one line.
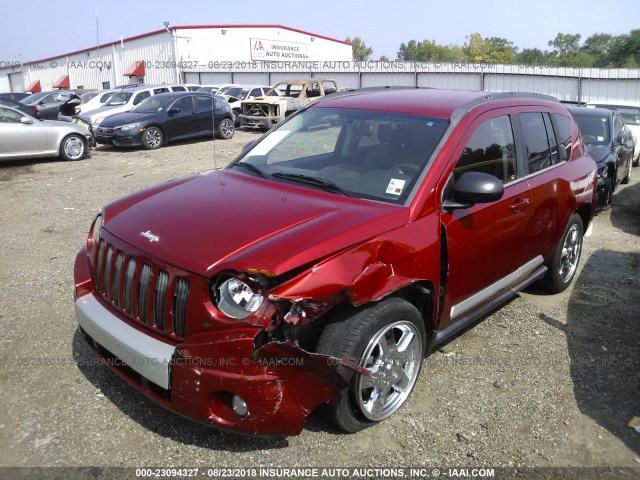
[[563, 136], [538, 150]]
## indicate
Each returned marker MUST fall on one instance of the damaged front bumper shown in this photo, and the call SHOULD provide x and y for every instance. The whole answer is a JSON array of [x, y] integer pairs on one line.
[[222, 378], [259, 121]]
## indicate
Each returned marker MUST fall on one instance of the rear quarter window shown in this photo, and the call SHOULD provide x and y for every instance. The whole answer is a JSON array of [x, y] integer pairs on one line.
[[563, 135]]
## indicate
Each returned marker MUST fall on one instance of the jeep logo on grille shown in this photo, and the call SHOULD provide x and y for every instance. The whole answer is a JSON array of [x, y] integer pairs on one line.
[[150, 236]]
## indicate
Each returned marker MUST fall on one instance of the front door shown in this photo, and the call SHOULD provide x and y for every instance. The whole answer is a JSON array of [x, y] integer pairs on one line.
[[485, 242]]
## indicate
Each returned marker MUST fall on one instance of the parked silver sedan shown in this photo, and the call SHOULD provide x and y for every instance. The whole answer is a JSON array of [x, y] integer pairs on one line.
[[22, 136]]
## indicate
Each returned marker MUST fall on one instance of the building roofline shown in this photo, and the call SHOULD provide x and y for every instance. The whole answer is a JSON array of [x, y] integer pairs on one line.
[[176, 27], [284, 27]]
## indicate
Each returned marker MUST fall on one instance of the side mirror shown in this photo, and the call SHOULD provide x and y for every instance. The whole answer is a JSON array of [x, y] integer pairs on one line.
[[474, 187], [26, 120], [173, 111]]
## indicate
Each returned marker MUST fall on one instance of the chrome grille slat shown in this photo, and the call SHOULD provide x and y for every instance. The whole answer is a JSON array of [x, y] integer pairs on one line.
[[139, 290], [115, 281], [180, 306], [107, 273], [145, 278], [100, 267], [128, 285], [158, 298]]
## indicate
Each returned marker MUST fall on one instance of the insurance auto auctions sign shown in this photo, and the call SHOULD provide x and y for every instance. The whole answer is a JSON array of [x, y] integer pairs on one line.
[[262, 49]]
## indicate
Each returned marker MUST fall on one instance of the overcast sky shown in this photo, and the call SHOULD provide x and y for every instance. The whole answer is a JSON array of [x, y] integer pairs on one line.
[[43, 28]]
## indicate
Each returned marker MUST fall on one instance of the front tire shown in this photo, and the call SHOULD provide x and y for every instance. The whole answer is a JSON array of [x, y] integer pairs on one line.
[[72, 147], [565, 258], [152, 138], [226, 129], [388, 338]]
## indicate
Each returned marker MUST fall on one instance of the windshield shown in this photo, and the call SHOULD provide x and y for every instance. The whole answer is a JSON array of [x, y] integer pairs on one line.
[[239, 92], [595, 130], [34, 98], [630, 114], [85, 97], [119, 98], [154, 104], [362, 153]]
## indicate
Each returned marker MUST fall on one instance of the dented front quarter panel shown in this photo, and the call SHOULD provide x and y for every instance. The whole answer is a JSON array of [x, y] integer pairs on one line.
[[371, 270]]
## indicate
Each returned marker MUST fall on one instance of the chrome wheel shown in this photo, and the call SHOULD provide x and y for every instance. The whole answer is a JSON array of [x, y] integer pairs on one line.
[[393, 355], [152, 138], [570, 253], [73, 147]]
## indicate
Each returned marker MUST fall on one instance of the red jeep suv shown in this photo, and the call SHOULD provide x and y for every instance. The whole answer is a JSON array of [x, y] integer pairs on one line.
[[326, 261]]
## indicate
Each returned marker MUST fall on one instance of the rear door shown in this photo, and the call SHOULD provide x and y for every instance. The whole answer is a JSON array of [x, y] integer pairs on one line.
[[485, 242], [545, 144], [205, 106]]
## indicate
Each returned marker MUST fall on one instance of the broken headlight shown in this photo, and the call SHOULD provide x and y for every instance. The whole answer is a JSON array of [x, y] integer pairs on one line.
[[236, 299]]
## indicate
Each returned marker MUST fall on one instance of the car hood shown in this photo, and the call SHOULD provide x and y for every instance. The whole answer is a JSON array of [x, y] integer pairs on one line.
[[599, 152], [228, 220], [124, 118]]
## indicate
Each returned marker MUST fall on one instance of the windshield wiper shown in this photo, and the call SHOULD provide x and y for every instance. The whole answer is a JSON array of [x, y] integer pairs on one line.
[[315, 181], [249, 166]]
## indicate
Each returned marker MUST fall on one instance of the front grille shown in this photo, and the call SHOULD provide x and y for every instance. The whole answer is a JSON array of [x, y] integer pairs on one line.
[[258, 109], [145, 293], [105, 131]]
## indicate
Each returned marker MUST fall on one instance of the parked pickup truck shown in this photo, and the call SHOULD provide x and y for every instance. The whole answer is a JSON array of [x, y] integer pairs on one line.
[[268, 111]]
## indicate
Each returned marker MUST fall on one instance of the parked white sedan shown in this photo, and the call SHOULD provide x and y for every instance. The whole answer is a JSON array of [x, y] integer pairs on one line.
[[22, 136]]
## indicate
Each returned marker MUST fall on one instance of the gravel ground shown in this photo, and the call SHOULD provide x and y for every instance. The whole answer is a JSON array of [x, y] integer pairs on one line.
[[545, 381]]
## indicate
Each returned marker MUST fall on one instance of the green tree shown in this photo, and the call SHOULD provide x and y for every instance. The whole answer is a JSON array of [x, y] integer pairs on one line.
[[599, 46], [532, 56], [565, 43], [383, 58], [489, 50], [625, 46], [361, 52]]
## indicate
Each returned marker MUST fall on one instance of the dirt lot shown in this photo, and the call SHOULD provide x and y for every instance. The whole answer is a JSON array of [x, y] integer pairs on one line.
[[545, 381]]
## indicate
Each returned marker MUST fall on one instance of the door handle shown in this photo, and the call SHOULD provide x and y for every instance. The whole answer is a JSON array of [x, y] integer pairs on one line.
[[519, 204]]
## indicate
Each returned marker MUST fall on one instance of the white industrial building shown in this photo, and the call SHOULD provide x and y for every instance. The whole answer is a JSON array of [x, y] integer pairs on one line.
[[175, 54]]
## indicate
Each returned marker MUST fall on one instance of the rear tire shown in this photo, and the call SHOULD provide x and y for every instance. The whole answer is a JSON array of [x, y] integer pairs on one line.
[[387, 338], [73, 147], [226, 129], [564, 261]]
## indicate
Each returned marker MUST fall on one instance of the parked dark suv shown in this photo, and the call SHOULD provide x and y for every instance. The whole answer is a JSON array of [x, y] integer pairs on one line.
[[334, 253]]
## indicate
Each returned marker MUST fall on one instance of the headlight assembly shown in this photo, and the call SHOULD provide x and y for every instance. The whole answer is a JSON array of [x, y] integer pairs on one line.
[[236, 299], [129, 126], [603, 172]]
